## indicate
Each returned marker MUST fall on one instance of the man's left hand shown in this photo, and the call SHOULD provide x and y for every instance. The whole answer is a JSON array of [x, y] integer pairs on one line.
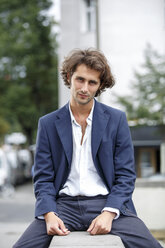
[[102, 224]]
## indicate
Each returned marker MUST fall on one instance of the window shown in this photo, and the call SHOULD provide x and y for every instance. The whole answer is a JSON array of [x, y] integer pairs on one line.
[[88, 16], [147, 162]]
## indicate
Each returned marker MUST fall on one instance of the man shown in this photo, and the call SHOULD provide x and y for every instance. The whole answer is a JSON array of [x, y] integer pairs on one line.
[[84, 167]]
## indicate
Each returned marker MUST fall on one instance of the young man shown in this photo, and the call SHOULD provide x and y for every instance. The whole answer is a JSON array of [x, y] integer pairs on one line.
[[84, 165]]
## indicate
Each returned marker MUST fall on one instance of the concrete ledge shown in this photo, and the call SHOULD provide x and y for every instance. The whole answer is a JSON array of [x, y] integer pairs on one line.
[[150, 182], [84, 239]]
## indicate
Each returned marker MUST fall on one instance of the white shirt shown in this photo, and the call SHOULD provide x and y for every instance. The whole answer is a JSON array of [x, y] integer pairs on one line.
[[84, 178]]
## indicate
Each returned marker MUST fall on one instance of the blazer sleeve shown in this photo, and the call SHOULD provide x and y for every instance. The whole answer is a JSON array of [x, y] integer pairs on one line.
[[124, 167], [44, 174]]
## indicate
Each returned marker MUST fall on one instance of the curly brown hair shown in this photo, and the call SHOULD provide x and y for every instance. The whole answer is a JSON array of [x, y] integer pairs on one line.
[[93, 59]]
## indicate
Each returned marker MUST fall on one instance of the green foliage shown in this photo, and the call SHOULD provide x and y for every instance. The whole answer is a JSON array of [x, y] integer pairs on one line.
[[147, 103], [4, 128], [28, 63]]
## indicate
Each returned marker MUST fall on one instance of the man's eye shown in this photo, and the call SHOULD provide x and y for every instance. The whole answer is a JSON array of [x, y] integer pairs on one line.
[[92, 82], [80, 79]]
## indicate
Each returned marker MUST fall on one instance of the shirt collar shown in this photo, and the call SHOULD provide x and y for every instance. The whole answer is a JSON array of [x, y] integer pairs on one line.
[[89, 118]]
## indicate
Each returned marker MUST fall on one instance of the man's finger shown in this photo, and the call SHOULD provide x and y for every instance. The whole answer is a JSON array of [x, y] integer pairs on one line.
[[95, 230], [62, 227], [91, 226], [59, 232], [50, 233]]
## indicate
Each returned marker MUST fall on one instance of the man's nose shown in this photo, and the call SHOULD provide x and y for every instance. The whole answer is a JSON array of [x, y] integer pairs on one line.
[[85, 87]]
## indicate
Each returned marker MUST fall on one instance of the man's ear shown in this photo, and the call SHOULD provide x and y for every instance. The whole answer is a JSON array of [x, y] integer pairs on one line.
[[68, 77]]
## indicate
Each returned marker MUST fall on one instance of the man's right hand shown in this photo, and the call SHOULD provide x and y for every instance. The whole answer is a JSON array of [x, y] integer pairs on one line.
[[54, 225]]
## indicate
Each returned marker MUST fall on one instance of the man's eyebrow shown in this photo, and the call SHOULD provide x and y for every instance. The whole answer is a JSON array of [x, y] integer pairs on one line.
[[79, 77], [93, 81]]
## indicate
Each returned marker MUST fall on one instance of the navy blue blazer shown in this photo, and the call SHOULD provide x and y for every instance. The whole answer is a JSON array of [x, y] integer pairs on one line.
[[112, 153]]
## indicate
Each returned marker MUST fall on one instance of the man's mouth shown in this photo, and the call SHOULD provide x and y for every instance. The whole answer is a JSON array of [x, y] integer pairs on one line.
[[83, 95]]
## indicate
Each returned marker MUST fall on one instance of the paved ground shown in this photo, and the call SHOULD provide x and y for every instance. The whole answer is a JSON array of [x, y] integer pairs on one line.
[[16, 212]]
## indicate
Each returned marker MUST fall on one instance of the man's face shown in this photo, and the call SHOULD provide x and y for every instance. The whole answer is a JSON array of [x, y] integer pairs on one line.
[[84, 84]]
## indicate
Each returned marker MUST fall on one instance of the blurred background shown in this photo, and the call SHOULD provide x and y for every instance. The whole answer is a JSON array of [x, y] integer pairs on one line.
[[35, 36]]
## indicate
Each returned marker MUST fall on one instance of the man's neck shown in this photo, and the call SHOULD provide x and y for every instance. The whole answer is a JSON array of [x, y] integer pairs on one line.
[[80, 110]]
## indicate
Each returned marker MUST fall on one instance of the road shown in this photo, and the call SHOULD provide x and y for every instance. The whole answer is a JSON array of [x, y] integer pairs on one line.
[[16, 212]]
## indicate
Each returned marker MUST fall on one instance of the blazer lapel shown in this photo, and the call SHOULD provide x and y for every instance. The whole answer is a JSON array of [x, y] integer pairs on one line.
[[99, 123], [64, 129]]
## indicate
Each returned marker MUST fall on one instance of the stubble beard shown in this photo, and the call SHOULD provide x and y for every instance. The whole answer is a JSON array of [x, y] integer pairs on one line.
[[83, 102]]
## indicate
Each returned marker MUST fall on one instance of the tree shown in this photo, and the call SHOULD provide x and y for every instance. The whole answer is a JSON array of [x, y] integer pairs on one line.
[[28, 63], [4, 127], [147, 103]]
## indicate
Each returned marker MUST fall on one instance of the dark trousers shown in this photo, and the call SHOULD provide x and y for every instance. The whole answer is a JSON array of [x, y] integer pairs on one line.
[[77, 214]]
